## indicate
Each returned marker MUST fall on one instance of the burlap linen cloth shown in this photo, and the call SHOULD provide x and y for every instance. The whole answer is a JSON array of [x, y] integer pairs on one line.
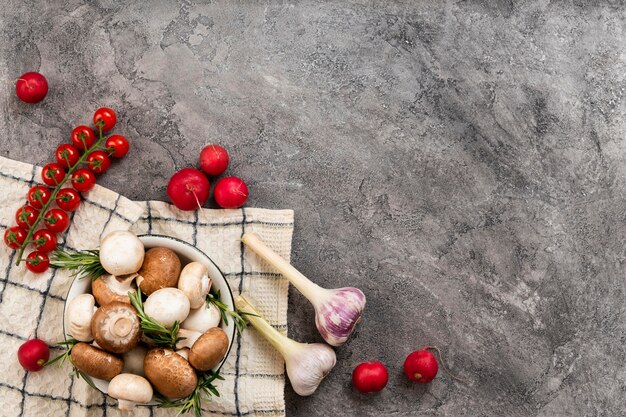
[[31, 305]]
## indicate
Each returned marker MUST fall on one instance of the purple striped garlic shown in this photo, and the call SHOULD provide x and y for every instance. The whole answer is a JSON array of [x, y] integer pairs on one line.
[[337, 311]]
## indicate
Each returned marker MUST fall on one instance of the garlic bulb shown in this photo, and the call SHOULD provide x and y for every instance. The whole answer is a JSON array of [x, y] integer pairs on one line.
[[337, 311], [307, 363], [338, 314]]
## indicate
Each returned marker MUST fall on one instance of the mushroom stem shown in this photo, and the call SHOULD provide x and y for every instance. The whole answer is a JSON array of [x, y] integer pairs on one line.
[[125, 405]]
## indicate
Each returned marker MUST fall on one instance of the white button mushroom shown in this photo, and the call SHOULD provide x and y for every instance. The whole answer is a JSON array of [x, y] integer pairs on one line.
[[194, 281], [184, 352], [166, 306], [133, 360], [79, 313], [130, 389], [187, 338], [202, 319], [121, 253]]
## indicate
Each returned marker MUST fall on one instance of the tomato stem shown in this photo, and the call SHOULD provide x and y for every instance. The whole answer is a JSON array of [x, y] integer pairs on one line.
[[56, 190]]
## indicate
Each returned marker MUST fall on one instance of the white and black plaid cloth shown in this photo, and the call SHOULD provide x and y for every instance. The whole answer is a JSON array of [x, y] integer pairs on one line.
[[31, 305]]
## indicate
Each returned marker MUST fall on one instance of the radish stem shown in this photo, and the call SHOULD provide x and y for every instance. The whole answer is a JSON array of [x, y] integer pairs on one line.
[[443, 365], [308, 288]]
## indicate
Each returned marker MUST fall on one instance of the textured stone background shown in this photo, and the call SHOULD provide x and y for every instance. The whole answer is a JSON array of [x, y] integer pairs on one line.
[[462, 163]]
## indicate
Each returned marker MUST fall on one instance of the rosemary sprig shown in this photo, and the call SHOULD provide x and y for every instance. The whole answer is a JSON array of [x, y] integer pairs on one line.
[[237, 316], [203, 391], [160, 335], [84, 264], [66, 356]]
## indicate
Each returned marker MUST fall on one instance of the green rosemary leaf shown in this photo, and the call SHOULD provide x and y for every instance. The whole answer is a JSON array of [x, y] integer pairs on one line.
[[83, 264], [237, 316]]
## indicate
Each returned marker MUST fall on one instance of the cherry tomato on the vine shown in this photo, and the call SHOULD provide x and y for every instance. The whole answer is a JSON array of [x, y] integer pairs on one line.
[[44, 240], [38, 196], [56, 220], [52, 174], [117, 146], [26, 216], [106, 117], [68, 199], [83, 137], [83, 179], [14, 237], [67, 155], [98, 161], [37, 262]]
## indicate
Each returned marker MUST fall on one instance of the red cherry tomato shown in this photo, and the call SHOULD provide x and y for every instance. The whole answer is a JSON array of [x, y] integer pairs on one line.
[[44, 240], [38, 196], [14, 237], [68, 199], [117, 146], [56, 220], [26, 216], [37, 262], [98, 161], [105, 117], [52, 174], [67, 155], [421, 366], [33, 354], [83, 137], [83, 179], [370, 377], [31, 87]]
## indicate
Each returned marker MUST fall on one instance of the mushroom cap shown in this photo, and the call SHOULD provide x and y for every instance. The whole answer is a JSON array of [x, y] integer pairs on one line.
[[209, 349], [194, 281], [96, 362], [121, 253], [133, 360], [169, 373], [202, 319], [160, 269], [130, 388], [116, 327], [79, 313], [109, 288], [167, 306]]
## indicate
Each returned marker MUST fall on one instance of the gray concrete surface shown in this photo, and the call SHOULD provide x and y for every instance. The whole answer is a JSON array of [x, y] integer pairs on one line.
[[461, 162]]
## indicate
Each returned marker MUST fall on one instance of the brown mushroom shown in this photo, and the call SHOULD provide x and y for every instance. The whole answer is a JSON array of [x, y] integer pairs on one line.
[[116, 327], [96, 362], [169, 373], [209, 349], [160, 269], [109, 288]]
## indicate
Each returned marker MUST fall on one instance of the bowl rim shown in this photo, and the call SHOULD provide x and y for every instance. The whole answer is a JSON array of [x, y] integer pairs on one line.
[[192, 247]]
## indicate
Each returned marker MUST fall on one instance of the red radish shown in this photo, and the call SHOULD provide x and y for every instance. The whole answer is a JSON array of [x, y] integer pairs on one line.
[[421, 366], [33, 354], [370, 377], [31, 87], [214, 160], [230, 192], [188, 189]]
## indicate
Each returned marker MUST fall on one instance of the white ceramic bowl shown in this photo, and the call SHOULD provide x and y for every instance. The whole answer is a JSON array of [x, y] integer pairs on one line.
[[187, 253]]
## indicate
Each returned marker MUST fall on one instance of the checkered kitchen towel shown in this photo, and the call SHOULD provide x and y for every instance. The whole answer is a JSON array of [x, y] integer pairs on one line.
[[31, 305]]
